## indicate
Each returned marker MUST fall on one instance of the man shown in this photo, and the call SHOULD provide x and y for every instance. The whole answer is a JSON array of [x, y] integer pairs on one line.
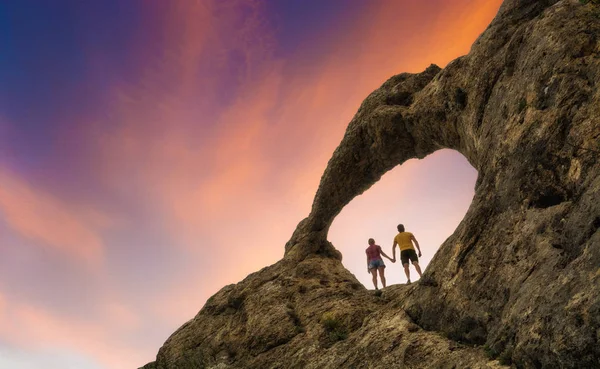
[[375, 262], [407, 251]]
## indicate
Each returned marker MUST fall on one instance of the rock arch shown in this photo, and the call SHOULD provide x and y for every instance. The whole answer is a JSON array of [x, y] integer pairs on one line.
[[522, 108], [520, 276], [380, 136]]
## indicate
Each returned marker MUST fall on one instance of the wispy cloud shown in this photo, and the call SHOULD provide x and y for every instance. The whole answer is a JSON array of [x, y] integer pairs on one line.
[[36, 214], [29, 327]]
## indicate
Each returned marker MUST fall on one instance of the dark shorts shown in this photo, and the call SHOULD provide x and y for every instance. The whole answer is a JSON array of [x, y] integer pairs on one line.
[[375, 264], [409, 254]]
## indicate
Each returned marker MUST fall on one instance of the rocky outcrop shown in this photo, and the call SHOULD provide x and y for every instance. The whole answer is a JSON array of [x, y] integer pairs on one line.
[[518, 281]]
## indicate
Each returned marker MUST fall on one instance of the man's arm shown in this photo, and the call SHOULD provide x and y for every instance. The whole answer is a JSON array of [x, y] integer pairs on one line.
[[368, 271], [394, 251], [416, 244]]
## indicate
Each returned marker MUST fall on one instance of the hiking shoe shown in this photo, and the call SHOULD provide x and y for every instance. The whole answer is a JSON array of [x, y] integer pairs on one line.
[[408, 282]]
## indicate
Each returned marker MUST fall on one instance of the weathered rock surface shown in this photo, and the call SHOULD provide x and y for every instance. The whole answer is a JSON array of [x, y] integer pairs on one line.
[[518, 281]]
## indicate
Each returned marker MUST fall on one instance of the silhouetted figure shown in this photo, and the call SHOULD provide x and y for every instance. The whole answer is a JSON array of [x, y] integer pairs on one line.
[[407, 251], [375, 262]]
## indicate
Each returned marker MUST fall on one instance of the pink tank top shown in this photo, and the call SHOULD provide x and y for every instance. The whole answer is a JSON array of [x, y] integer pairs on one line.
[[373, 252]]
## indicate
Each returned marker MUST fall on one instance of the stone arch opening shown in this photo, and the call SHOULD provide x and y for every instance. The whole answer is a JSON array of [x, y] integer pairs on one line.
[[384, 133], [430, 196]]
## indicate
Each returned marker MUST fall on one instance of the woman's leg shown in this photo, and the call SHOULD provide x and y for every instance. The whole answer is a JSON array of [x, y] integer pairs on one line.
[[374, 273], [382, 275]]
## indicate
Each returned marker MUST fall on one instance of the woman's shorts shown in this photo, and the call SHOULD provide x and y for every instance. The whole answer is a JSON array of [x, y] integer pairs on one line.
[[376, 264], [408, 254]]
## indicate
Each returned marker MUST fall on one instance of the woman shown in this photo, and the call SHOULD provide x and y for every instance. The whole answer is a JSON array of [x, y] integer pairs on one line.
[[375, 262]]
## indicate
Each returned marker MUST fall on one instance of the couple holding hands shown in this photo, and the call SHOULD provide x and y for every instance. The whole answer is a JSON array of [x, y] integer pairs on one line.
[[407, 252]]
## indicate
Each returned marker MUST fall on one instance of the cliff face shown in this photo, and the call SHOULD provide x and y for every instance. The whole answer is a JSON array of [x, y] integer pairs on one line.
[[518, 281]]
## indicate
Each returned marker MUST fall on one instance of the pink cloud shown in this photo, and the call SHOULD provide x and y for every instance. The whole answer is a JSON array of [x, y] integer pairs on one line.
[[273, 139], [164, 150], [2, 307], [32, 328], [37, 215]]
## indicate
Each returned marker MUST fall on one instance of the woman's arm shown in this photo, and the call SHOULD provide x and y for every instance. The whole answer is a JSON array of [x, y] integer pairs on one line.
[[383, 253]]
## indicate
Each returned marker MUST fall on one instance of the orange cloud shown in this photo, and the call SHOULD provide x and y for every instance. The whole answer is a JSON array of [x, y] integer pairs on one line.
[[318, 104], [35, 329], [284, 121], [107, 337], [164, 149], [2, 308], [39, 216], [119, 315]]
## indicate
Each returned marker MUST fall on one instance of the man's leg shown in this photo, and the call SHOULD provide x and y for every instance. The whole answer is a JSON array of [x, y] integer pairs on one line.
[[382, 275], [374, 272], [418, 268], [407, 271]]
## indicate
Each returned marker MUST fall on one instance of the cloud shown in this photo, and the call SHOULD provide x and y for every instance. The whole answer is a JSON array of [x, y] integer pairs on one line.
[[13, 358], [2, 308], [38, 215], [111, 336], [207, 164], [176, 145], [38, 331]]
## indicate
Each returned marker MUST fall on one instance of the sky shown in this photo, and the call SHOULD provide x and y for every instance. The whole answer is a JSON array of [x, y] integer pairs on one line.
[[152, 152]]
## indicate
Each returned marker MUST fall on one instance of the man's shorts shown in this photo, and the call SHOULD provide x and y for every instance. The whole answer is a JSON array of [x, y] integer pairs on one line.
[[376, 264], [408, 254]]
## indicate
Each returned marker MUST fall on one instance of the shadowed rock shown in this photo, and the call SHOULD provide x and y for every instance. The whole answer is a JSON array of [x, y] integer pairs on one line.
[[518, 281]]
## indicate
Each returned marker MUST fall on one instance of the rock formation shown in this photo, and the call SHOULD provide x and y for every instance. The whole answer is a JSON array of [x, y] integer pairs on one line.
[[518, 281]]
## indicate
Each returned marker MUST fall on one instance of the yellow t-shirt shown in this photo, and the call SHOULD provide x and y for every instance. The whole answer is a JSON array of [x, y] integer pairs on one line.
[[403, 239]]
